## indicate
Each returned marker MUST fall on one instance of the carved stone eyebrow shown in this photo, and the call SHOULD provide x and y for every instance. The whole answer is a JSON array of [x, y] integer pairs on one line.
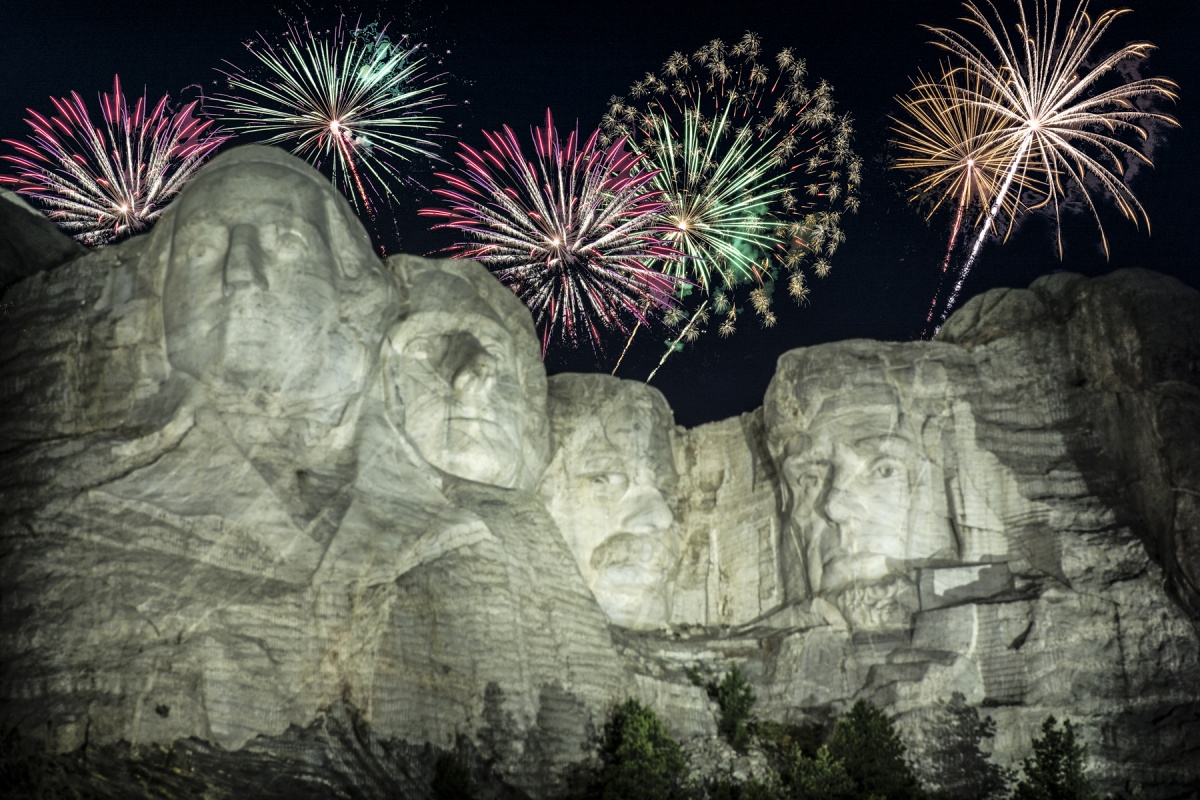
[[894, 443], [602, 463]]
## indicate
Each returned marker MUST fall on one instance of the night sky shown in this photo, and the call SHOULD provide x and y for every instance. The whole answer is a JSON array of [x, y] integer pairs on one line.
[[511, 61]]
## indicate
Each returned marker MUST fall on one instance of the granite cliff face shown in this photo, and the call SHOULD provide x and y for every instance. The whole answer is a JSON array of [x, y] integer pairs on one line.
[[973, 515], [258, 483]]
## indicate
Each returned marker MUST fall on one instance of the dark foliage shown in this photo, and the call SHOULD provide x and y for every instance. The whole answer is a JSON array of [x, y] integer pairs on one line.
[[638, 758], [781, 741], [958, 767], [452, 778], [1056, 769], [872, 754], [736, 699]]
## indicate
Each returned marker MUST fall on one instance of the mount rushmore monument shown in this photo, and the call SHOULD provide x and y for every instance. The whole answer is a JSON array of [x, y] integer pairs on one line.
[[252, 474]]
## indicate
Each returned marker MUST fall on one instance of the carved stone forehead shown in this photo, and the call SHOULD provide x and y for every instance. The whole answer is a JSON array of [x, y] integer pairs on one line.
[[814, 387], [464, 288], [452, 294], [252, 168], [593, 411], [637, 423], [232, 195]]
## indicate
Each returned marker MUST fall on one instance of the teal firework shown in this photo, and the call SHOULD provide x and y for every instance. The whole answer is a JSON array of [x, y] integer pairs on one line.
[[355, 101]]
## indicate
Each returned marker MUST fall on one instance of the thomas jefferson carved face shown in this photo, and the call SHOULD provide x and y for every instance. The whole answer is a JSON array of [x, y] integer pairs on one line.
[[607, 488], [271, 290], [463, 363], [464, 408]]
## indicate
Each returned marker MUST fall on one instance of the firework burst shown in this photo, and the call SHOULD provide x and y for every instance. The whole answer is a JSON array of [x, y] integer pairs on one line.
[[954, 146], [755, 166], [956, 152], [102, 184], [573, 232], [354, 99], [1060, 128]]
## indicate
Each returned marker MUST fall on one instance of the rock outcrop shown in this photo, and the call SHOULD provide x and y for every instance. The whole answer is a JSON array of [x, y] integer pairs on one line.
[[269, 500], [29, 243]]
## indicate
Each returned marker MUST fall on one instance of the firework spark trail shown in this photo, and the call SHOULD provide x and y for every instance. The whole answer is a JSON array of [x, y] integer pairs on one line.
[[757, 170], [955, 149], [101, 184], [572, 232], [687, 333], [354, 98], [988, 222], [1058, 133]]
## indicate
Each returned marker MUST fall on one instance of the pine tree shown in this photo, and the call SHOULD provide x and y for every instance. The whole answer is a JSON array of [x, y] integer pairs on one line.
[[821, 778], [873, 755], [1055, 772], [957, 765], [639, 759], [735, 698]]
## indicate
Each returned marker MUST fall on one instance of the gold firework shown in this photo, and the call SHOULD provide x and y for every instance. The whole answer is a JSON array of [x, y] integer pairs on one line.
[[1059, 129], [953, 144]]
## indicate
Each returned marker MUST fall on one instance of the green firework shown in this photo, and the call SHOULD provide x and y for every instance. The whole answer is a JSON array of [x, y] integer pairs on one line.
[[756, 167]]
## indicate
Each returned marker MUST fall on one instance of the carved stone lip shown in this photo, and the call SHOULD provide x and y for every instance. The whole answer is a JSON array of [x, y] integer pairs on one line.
[[627, 550]]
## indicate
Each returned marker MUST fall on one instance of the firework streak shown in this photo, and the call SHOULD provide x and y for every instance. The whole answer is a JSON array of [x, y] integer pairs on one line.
[[1055, 126], [756, 169], [573, 232], [102, 184], [352, 98]]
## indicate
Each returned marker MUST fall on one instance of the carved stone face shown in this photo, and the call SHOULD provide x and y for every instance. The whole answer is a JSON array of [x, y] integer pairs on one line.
[[260, 274], [464, 407], [607, 489], [465, 373], [858, 443], [862, 497]]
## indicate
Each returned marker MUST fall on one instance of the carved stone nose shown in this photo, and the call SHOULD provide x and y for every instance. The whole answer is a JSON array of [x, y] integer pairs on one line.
[[244, 260], [643, 510], [476, 374], [839, 507]]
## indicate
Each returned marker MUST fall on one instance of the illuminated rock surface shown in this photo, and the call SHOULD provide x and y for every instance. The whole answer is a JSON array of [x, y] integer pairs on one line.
[[265, 490]]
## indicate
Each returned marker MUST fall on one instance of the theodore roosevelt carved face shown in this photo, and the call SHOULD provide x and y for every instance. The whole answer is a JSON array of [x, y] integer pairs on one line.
[[608, 487]]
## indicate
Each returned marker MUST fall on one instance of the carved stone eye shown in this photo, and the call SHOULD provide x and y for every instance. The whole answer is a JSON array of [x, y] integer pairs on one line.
[[607, 485], [886, 469]]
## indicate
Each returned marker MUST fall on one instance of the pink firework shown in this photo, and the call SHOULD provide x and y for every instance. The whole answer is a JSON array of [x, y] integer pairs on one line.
[[574, 232], [102, 183]]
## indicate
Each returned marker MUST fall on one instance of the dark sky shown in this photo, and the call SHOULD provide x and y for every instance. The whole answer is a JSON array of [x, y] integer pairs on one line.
[[513, 60]]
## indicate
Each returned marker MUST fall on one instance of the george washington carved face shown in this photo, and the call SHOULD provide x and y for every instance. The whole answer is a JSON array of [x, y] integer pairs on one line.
[[271, 290]]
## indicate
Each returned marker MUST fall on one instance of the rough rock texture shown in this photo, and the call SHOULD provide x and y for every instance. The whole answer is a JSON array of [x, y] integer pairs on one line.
[[29, 243], [607, 489], [968, 516], [214, 525], [269, 501]]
